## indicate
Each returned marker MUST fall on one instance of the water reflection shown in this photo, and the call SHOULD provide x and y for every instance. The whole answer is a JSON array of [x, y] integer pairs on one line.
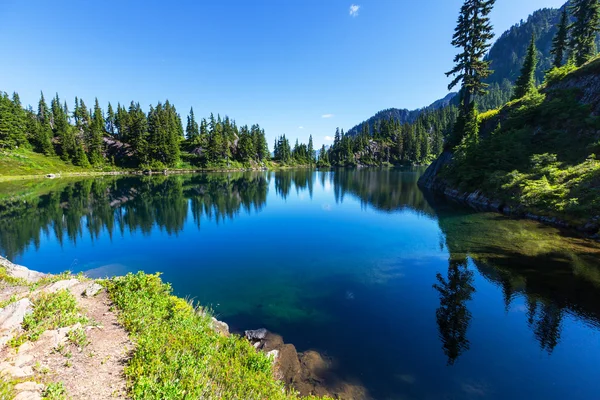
[[453, 316], [551, 276]]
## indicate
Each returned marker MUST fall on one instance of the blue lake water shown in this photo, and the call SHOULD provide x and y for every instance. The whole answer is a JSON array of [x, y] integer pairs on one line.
[[411, 296]]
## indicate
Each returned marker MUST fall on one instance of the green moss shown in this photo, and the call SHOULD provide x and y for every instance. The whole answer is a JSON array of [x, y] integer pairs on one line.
[[179, 355]]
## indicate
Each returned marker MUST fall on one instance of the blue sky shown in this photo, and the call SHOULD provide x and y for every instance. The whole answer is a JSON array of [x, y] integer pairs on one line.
[[298, 67]]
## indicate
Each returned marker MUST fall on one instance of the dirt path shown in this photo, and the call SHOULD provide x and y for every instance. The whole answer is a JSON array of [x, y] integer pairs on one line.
[[88, 366]]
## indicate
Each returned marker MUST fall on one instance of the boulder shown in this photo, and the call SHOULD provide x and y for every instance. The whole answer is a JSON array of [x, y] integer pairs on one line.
[[12, 315], [60, 285], [92, 290], [220, 326]]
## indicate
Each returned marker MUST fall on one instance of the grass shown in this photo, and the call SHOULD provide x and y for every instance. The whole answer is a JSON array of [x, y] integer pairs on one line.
[[179, 355], [9, 280], [50, 311], [6, 388], [26, 162], [55, 391]]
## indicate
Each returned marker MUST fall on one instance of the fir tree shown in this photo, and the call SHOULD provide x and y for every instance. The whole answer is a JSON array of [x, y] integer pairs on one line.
[[583, 30], [192, 130], [311, 150], [96, 140], [472, 36], [526, 82], [560, 41], [111, 119]]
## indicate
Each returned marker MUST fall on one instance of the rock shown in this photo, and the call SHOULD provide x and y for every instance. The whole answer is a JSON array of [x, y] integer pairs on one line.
[[274, 354], [258, 334], [18, 372], [23, 359], [92, 290], [29, 387], [28, 396], [220, 326], [20, 272], [60, 285], [12, 315]]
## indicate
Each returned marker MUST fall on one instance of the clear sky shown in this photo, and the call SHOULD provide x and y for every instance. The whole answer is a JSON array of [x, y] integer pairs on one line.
[[298, 67]]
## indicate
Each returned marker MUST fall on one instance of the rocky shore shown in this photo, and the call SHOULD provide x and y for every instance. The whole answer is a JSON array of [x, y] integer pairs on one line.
[[479, 201], [86, 360]]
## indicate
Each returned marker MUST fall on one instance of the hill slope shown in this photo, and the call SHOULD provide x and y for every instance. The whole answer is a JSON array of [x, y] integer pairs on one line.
[[537, 155]]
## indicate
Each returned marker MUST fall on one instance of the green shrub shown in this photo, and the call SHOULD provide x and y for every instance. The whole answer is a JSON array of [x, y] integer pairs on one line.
[[179, 355]]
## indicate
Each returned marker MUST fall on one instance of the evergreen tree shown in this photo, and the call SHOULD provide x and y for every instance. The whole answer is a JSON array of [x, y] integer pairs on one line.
[[472, 35], [63, 130], [560, 41], [111, 121], [311, 150], [583, 30], [96, 141], [526, 82], [192, 130], [43, 129]]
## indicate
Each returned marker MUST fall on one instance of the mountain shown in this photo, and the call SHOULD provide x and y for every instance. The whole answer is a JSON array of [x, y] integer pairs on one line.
[[402, 115], [506, 56]]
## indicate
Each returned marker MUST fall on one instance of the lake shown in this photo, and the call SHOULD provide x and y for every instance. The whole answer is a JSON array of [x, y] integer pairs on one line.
[[411, 296]]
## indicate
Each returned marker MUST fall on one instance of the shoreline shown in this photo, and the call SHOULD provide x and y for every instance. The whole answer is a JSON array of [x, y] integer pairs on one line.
[[112, 325]]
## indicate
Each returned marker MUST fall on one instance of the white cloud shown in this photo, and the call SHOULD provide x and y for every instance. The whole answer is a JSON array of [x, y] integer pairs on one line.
[[327, 116], [328, 139], [354, 10], [300, 127]]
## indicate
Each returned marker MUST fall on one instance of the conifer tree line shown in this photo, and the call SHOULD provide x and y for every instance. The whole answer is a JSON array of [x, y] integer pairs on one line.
[[302, 154], [129, 136], [390, 142]]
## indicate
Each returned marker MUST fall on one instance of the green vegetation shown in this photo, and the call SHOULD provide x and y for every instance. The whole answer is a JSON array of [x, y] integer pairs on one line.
[[55, 140], [55, 391], [526, 83], [23, 162], [541, 152], [584, 30], [178, 353], [50, 311], [6, 388]]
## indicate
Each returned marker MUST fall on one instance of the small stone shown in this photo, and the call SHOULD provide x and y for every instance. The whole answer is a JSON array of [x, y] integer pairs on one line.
[[18, 372], [28, 396], [23, 359], [60, 285], [25, 347], [29, 387], [258, 334], [92, 290]]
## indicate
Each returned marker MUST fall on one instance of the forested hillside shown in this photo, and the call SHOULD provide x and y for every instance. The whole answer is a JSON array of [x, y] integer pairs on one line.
[[536, 155], [126, 137]]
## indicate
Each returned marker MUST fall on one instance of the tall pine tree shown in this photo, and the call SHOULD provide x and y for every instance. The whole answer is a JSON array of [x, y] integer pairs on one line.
[[583, 30], [472, 36], [526, 82], [560, 41]]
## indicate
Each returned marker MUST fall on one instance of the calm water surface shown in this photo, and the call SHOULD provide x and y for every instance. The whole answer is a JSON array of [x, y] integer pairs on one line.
[[411, 296]]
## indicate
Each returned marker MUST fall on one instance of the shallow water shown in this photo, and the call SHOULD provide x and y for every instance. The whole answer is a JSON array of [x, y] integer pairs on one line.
[[413, 297]]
